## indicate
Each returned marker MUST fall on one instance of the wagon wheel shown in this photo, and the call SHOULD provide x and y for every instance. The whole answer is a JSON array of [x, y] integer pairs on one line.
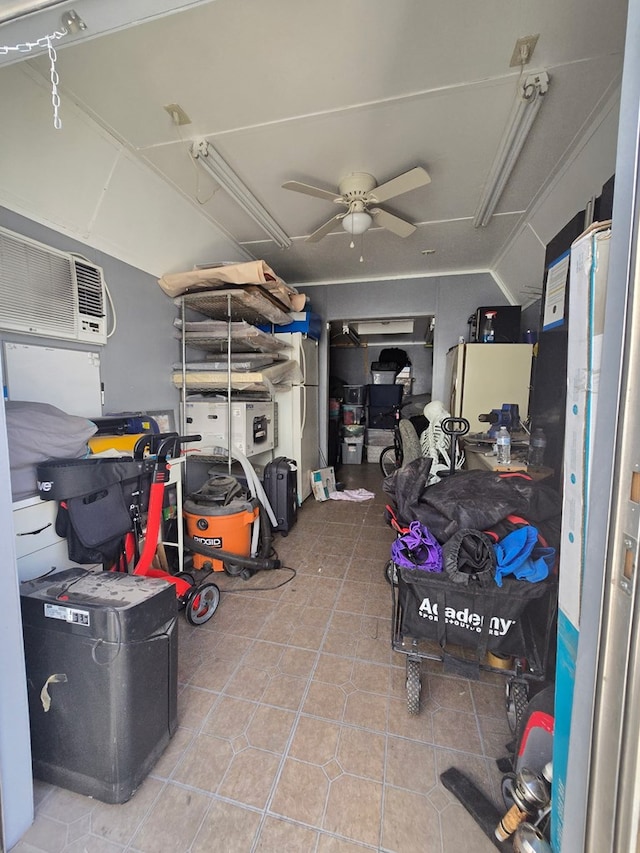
[[391, 573], [201, 603], [388, 461], [517, 699], [413, 686]]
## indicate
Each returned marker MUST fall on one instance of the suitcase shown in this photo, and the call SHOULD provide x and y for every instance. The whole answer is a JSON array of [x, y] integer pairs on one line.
[[280, 481]]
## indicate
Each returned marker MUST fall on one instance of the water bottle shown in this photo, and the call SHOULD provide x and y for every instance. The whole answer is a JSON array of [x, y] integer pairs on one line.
[[537, 446], [488, 333], [503, 446]]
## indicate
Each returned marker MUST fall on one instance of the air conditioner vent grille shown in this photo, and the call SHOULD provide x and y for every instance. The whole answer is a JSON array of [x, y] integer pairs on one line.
[[90, 293]]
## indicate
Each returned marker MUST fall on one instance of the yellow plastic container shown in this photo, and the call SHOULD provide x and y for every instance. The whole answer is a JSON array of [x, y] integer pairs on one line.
[[121, 443]]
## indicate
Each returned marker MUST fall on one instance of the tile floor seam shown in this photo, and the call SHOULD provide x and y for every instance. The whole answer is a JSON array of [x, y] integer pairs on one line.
[[299, 714], [285, 753]]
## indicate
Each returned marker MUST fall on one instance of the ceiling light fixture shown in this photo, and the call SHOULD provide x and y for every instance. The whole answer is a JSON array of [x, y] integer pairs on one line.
[[221, 172], [357, 222], [529, 100]]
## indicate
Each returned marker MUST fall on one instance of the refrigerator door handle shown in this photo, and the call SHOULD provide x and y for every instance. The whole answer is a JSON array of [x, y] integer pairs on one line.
[[303, 419], [303, 362]]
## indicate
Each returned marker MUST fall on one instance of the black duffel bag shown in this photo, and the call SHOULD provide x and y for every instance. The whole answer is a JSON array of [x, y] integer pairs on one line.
[[479, 615], [98, 500]]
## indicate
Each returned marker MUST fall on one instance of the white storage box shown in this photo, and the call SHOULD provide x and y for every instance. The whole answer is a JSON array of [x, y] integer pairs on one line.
[[374, 452], [383, 377], [380, 437], [253, 426]]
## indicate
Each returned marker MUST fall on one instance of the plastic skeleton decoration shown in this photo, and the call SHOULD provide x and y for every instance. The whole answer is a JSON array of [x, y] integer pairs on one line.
[[436, 444]]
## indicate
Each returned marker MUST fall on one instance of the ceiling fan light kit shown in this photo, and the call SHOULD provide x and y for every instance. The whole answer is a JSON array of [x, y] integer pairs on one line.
[[205, 154], [529, 99], [357, 222], [359, 192]]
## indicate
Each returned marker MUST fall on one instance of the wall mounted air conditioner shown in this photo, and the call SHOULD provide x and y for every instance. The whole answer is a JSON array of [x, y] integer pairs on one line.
[[383, 327], [47, 292]]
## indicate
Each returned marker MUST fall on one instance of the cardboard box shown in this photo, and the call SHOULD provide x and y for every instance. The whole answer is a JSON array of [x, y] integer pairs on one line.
[[323, 482]]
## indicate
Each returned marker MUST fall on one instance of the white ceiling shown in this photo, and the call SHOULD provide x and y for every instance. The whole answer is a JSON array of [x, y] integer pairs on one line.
[[310, 91]]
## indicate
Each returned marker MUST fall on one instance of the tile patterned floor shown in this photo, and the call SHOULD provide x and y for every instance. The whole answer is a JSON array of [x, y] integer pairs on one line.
[[293, 730]]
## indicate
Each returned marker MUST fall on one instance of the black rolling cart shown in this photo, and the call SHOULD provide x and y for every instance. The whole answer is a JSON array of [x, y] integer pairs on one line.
[[509, 630]]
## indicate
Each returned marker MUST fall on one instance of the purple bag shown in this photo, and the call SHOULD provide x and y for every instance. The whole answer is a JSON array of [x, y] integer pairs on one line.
[[417, 549]]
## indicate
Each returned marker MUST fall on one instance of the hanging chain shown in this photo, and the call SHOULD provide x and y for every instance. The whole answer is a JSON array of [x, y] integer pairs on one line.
[[55, 97], [44, 42]]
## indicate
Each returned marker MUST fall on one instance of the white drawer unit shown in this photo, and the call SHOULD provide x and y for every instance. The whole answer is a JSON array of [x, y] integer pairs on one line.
[[253, 425], [39, 549]]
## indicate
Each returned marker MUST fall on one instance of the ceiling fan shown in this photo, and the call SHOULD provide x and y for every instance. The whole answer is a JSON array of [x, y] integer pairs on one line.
[[360, 194]]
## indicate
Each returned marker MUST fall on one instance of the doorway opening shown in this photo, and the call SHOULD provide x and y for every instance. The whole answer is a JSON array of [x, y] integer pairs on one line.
[[357, 349]]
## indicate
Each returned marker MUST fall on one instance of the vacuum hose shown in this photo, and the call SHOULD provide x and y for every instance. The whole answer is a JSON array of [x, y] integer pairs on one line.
[[237, 561]]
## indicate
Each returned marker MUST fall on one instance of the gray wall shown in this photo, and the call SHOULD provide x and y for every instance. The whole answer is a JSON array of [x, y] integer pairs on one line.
[[452, 299], [135, 364], [352, 364]]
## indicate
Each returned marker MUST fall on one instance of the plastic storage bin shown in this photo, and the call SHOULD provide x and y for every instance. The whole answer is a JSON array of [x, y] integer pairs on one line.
[[352, 414], [354, 395], [374, 451], [379, 437], [382, 417], [383, 377], [353, 431], [352, 452], [385, 395]]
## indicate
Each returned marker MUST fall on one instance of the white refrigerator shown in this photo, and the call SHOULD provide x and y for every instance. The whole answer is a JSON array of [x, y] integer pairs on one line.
[[481, 377], [298, 433]]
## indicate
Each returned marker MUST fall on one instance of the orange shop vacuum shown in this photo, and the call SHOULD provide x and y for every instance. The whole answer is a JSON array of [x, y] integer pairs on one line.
[[225, 528]]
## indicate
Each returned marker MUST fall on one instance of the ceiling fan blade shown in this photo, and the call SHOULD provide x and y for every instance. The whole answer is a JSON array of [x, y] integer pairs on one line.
[[410, 180], [321, 232], [307, 189], [392, 223]]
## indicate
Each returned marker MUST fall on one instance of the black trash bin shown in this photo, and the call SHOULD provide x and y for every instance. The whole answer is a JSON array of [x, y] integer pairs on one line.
[[101, 652]]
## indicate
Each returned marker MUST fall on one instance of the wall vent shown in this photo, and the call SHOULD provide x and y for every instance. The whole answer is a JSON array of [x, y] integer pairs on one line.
[[50, 293]]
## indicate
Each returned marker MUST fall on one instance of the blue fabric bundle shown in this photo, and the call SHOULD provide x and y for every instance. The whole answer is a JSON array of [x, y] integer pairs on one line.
[[519, 554]]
